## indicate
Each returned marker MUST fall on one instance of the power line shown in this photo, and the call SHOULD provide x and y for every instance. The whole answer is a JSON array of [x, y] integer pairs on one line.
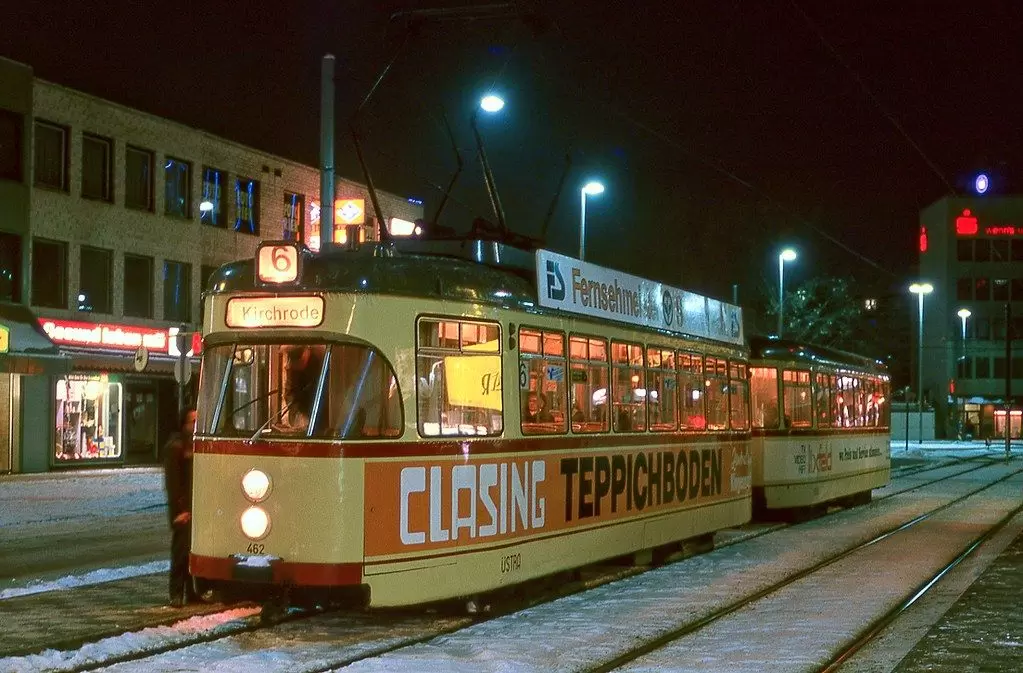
[[870, 96]]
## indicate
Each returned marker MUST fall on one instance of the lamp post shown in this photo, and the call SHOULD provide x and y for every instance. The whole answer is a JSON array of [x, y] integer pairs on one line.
[[963, 314], [591, 188], [786, 255], [920, 289]]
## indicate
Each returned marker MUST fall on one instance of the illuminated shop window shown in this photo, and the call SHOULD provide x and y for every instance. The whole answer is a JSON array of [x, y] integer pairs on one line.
[[88, 418]]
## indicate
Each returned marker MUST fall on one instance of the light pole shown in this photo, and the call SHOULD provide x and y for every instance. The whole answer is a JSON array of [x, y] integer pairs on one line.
[[963, 314], [920, 289], [591, 188], [786, 255]]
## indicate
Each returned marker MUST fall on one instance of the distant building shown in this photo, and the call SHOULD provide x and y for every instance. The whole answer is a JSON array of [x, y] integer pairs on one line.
[[111, 220], [971, 251]]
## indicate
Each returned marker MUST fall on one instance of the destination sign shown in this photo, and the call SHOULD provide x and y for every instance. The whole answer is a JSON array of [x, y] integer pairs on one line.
[[579, 287], [274, 311]]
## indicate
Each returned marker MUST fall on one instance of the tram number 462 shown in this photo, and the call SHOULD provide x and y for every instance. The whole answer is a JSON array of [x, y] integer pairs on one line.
[[254, 548], [511, 563]]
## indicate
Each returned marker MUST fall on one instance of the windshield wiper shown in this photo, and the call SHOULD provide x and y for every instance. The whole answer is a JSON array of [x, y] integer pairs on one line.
[[254, 400]]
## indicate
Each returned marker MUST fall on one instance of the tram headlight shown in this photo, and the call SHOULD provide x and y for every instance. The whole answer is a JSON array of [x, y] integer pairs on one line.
[[255, 523], [256, 485]]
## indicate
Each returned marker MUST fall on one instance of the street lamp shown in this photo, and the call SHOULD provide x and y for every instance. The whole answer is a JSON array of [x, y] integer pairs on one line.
[[963, 314], [920, 289], [787, 255], [591, 188]]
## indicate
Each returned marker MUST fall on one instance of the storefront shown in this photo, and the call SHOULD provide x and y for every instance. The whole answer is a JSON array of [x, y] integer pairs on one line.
[[119, 402], [28, 361]]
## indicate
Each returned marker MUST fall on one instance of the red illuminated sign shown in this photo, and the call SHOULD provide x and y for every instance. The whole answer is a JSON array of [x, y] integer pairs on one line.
[[110, 336], [923, 239], [965, 224]]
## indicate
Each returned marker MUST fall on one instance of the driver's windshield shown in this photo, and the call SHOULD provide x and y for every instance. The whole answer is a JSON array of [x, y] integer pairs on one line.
[[344, 391]]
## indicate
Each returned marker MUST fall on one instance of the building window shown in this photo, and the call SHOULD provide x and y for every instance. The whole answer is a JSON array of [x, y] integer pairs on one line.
[[294, 223], [1017, 289], [1017, 250], [1000, 289], [964, 250], [10, 267], [10, 145], [964, 289], [138, 179], [982, 327], [246, 195], [1000, 250], [51, 156], [211, 207], [982, 251], [49, 273], [981, 289], [983, 367], [88, 415], [205, 271], [96, 153], [177, 291], [95, 286], [178, 188], [138, 286]]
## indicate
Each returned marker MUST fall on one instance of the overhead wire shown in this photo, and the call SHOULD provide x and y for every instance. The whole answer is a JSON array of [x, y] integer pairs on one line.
[[871, 96]]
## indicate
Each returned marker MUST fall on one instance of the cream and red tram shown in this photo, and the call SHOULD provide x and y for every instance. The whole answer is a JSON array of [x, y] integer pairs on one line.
[[820, 424], [414, 422]]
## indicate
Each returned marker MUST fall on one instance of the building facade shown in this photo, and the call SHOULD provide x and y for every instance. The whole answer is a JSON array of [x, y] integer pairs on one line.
[[111, 220], [971, 252]]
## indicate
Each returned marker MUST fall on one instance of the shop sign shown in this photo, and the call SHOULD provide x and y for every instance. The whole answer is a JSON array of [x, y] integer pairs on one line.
[[274, 311], [5, 338], [105, 335]]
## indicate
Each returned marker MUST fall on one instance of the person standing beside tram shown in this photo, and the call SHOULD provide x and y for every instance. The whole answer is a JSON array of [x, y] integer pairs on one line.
[[178, 482]]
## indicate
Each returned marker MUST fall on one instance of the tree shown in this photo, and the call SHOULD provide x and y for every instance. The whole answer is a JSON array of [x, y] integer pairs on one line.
[[823, 311]]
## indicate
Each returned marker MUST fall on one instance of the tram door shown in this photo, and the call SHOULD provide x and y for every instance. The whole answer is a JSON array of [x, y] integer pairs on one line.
[[141, 423]]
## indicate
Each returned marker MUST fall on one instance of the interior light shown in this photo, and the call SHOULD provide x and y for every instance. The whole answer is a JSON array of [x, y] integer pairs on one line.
[[255, 523], [205, 206], [256, 485]]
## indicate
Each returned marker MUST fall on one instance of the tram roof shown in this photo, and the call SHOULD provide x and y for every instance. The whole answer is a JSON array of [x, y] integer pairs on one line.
[[768, 348], [448, 272], [459, 269]]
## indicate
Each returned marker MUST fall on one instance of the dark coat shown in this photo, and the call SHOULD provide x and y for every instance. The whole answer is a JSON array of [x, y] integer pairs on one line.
[[178, 475]]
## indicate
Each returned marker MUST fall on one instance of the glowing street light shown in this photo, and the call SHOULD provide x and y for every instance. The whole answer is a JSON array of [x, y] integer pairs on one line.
[[963, 314], [786, 255], [591, 188], [491, 103], [920, 290]]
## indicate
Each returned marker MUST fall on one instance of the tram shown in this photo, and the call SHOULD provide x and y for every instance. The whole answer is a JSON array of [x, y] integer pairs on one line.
[[426, 420], [820, 426]]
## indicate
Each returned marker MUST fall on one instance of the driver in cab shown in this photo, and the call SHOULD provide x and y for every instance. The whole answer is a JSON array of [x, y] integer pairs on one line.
[[302, 366]]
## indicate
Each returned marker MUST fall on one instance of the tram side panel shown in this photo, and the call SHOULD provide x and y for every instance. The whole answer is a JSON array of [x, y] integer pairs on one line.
[[794, 471], [447, 527]]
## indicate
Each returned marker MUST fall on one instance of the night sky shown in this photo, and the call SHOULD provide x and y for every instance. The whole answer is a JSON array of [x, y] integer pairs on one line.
[[722, 129]]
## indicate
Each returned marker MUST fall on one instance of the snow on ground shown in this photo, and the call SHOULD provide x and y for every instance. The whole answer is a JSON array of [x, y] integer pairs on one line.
[[93, 577], [65, 496]]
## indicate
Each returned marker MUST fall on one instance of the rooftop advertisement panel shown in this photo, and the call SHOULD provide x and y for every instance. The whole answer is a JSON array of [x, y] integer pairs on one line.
[[587, 289]]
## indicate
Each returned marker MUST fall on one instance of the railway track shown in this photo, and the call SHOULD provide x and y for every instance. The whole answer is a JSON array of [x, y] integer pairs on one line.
[[355, 637]]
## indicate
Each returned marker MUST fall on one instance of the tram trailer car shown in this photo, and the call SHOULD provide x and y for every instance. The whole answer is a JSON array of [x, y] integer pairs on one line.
[[820, 427], [394, 427]]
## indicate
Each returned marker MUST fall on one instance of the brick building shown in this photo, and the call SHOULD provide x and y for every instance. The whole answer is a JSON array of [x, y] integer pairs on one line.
[[111, 219]]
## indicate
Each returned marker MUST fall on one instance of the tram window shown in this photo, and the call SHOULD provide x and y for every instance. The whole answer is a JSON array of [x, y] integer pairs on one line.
[[589, 383], [798, 403], [542, 389], [299, 390], [690, 386], [738, 385], [822, 400], [716, 391], [764, 397], [458, 370], [845, 402], [662, 390], [628, 389]]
